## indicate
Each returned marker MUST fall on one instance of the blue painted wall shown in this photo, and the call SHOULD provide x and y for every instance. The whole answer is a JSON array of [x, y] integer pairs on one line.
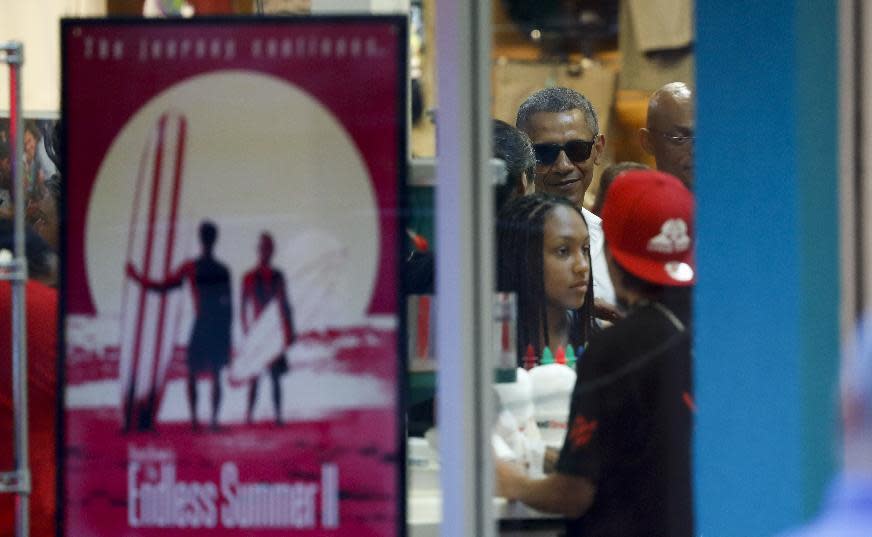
[[767, 298], [817, 147]]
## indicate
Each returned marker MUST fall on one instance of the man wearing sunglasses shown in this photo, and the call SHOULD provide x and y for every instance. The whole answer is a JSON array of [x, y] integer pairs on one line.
[[669, 134], [564, 129]]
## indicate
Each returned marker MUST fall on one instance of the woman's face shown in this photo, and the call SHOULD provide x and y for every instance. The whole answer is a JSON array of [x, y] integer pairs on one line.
[[566, 261]]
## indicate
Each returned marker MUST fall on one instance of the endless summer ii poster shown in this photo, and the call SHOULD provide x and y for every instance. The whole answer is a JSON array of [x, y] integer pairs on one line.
[[231, 358]]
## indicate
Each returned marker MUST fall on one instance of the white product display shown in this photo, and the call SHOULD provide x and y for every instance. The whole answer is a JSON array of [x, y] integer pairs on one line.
[[517, 397], [423, 466], [532, 415], [551, 388], [516, 436]]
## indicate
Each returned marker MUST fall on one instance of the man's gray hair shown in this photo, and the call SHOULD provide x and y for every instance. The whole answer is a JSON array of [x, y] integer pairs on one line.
[[556, 100]]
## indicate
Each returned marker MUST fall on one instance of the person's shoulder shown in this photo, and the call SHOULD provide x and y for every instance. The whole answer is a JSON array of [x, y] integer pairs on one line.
[[595, 230], [603, 347], [592, 220], [41, 290], [40, 298], [651, 315], [641, 328], [636, 320]]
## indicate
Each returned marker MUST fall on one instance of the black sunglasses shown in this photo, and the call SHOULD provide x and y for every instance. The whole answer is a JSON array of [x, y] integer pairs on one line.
[[576, 150]]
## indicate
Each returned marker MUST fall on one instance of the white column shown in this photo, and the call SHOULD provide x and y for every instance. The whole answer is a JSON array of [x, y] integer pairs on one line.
[[465, 266]]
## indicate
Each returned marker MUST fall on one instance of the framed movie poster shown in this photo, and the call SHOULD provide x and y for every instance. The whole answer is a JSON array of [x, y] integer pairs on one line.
[[231, 328]]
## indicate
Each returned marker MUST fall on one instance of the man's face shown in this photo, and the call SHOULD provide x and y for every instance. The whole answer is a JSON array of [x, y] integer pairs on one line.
[[564, 177], [667, 137], [29, 146]]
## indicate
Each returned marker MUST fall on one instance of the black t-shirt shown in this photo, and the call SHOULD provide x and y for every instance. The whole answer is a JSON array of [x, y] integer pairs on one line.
[[630, 428]]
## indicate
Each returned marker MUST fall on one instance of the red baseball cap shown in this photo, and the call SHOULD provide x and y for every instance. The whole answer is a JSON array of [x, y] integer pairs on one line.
[[648, 225]]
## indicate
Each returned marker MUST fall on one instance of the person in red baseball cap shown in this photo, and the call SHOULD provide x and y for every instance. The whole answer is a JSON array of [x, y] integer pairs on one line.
[[647, 219], [625, 465]]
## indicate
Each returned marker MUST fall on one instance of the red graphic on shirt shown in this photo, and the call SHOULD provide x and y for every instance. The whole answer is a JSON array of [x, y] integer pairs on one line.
[[582, 431], [689, 402]]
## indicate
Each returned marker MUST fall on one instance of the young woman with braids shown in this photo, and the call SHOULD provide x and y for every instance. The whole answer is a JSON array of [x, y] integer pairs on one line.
[[543, 255], [625, 466]]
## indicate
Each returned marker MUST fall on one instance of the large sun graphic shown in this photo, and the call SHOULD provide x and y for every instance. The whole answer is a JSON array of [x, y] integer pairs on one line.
[[260, 155]]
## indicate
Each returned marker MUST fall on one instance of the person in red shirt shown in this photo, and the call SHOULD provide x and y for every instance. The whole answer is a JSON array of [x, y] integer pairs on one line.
[[260, 286], [42, 322]]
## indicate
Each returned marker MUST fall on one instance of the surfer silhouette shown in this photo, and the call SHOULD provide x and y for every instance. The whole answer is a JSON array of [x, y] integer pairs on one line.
[[260, 286], [209, 344]]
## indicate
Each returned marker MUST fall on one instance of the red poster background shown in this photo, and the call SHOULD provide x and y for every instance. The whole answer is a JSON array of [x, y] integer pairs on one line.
[[111, 70]]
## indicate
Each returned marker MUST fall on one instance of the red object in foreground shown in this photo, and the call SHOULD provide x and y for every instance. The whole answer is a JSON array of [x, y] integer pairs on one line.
[[560, 358], [147, 348], [418, 241], [529, 358], [42, 304]]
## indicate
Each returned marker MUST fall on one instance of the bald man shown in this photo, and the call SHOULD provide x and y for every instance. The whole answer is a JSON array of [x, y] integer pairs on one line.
[[669, 133]]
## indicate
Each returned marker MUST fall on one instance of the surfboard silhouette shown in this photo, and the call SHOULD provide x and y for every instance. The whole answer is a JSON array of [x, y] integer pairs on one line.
[[264, 342], [149, 320]]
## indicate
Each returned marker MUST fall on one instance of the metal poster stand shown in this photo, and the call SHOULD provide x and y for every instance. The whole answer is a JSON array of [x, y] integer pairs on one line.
[[15, 270]]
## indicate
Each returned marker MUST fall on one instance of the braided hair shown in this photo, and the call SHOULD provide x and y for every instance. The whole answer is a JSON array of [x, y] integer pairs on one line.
[[520, 259]]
